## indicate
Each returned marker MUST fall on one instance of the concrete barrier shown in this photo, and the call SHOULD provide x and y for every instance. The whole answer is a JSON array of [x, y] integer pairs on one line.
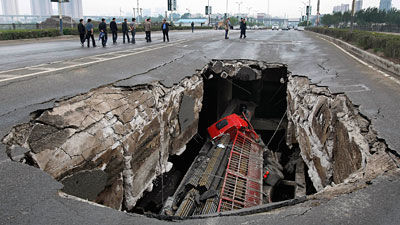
[[366, 56]]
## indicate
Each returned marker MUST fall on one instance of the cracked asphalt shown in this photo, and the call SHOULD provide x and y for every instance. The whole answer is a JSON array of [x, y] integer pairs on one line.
[[29, 196]]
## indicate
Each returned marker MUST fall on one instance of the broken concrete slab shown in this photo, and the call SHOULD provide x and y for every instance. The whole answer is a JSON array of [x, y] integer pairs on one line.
[[123, 134]]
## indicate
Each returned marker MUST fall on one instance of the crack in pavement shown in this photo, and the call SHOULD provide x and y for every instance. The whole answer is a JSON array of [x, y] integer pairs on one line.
[[30, 105]]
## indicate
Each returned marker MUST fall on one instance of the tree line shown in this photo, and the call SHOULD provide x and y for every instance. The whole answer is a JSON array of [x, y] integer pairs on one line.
[[363, 17]]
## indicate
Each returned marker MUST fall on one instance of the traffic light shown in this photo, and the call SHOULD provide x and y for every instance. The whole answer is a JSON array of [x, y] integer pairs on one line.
[[171, 5], [208, 10]]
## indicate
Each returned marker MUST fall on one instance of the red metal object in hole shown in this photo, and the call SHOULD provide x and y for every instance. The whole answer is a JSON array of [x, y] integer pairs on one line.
[[242, 185], [225, 124]]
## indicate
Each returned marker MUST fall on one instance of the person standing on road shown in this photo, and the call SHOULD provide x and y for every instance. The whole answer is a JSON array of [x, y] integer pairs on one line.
[[227, 27], [103, 32], [147, 29], [114, 30], [165, 29], [243, 27], [90, 33], [132, 27], [82, 32], [192, 24], [125, 31]]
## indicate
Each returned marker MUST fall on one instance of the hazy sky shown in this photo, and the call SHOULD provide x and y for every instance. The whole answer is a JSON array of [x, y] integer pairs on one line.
[[290, 8], [277, 7]]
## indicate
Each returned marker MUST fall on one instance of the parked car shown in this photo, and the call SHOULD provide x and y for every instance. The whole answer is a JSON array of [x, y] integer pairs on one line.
[[300, 28], [275, 27]]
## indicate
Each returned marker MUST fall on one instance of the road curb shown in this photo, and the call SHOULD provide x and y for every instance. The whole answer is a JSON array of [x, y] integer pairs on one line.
[[366, 56]]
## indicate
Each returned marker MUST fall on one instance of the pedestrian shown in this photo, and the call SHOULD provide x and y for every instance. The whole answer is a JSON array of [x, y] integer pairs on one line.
[[192, 24], [103, 32], [132, 27], [227, 27], [82, 32], [90, 33], [114, 30], [147, 29], [243, 27], [165, 29], [125, 31], [216, 25]]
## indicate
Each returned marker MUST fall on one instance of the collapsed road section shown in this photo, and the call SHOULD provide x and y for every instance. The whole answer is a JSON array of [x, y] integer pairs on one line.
[[236, 134]]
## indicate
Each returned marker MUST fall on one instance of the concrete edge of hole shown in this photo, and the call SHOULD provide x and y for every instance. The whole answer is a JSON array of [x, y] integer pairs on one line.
[[240, 212], [312, 106]]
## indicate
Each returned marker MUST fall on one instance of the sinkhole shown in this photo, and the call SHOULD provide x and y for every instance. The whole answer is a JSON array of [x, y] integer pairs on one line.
[[147, 149]]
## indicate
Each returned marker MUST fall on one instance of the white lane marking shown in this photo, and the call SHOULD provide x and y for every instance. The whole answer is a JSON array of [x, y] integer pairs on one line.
[[363, 62], [48, 70]]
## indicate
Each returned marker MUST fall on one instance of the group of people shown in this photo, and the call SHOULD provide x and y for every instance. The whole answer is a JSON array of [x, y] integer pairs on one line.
[[243, 27], [86, 31]]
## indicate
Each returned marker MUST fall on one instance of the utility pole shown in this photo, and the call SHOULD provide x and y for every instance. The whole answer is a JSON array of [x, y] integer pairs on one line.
[[138, 10], [209, 13], [239, 3], [352, 15], [318, 13], [269, 15], [60, 16], [309, 12], [226, 10]]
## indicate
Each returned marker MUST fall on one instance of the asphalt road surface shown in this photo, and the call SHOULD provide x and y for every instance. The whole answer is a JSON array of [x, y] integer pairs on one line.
[[34, 75]]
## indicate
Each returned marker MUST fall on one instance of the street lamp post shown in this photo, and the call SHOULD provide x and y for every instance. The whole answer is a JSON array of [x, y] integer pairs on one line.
[[352, 15], [226, 10], [60, 16], [318, 13], [209, 14], [269, 14], [309, 12], [239, 3], [138, 11]]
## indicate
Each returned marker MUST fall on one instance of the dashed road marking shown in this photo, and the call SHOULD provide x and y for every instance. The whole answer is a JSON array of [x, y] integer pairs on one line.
[[363, 62]]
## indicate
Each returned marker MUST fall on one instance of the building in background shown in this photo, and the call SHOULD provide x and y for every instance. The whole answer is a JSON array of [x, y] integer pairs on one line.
[[359, 5], [73, 8], [385, 5], [41, 7], [261, 16], [158, 11], [147, 12], [9, 7], [341, 8]]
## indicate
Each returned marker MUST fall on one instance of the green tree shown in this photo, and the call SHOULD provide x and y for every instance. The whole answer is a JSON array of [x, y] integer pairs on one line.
[[234, 20]]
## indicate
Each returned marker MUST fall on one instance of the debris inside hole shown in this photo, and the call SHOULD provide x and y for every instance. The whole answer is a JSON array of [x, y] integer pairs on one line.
[[212, 184], [125, 139]]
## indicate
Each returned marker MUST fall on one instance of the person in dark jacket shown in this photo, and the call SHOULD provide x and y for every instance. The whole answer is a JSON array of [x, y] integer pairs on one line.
[[132, 27], [90, 33], [114, 30], [125, 30], [192, 24], [103, 32], [243, 27], [82, 32], [165, 29], [147, 29]]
